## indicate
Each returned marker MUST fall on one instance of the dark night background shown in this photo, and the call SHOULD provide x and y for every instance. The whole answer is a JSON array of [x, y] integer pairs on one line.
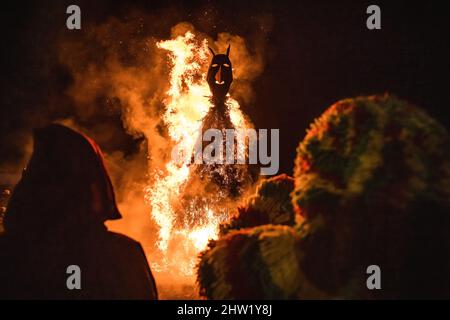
[[318, 53]]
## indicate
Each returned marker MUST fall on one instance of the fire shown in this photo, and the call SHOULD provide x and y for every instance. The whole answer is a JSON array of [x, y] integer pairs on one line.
[[186, 104]]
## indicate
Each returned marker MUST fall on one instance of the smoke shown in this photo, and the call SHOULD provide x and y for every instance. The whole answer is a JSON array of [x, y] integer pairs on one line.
[[117, 80], [117, 69]]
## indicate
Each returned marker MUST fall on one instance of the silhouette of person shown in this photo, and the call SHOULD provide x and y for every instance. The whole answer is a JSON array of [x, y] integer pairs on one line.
[[55, 219]]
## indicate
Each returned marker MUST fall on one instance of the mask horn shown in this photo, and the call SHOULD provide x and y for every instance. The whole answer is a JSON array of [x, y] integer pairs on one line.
[[228, 50], [211, 51]]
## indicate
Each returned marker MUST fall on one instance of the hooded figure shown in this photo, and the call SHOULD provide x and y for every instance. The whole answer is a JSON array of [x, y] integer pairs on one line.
[[55, 219]]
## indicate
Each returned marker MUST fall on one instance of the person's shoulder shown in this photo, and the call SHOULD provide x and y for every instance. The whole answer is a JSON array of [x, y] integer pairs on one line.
[[123, 240]]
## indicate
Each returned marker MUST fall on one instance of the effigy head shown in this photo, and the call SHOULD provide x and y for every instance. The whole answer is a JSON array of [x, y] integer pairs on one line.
[[220, 75]]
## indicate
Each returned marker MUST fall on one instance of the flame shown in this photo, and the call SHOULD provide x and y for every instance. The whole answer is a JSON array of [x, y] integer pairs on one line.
[[186, 103]]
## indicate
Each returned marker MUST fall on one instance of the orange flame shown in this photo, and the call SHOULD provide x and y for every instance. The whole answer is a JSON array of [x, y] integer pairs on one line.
[[186, 102]]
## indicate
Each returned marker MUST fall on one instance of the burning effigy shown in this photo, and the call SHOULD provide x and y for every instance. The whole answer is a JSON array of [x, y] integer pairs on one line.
[[372, 186], [190, 199]]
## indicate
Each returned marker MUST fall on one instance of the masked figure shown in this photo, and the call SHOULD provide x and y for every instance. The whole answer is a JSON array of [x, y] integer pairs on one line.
[[220, 76], [55, 219]]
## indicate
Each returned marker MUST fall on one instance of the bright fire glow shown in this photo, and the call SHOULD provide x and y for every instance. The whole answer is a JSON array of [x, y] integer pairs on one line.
[[186, 103]]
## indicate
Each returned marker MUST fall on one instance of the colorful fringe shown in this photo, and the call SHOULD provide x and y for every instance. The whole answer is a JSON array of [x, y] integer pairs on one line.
[[256, 263], [373, 173], [271, 204], [375, 149], [372, 181]]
